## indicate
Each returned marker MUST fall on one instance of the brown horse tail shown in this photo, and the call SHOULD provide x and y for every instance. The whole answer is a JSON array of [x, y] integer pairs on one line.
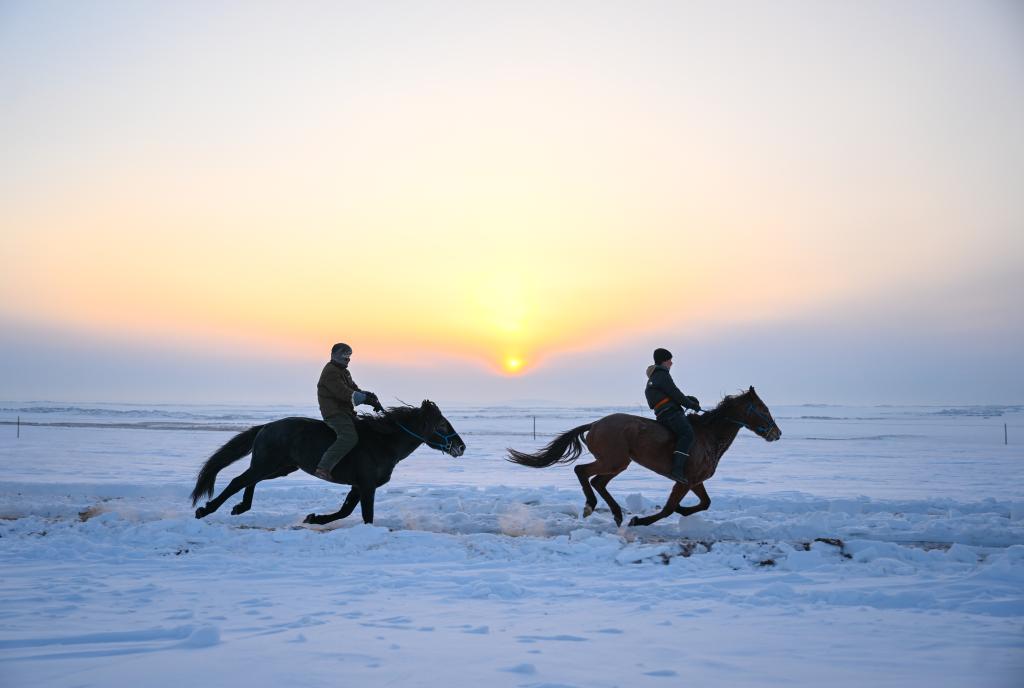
[[565, 448], [236, 448]]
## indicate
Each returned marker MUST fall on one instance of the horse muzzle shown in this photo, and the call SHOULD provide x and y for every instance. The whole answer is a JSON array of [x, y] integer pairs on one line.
[[774, 434]]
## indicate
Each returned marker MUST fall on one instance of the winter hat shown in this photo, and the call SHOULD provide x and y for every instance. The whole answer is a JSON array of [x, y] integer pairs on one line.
[[340, 353], [661, 355]]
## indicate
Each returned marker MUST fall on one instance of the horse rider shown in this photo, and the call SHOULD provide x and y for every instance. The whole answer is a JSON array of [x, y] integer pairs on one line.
[[338, 395], [667, 402]]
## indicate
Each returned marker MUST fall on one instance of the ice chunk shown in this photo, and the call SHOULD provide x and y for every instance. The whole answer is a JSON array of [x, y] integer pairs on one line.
[[204, 636]]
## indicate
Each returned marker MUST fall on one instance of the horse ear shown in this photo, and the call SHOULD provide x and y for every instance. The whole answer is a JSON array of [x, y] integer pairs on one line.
[[430, 408], [751, 388]]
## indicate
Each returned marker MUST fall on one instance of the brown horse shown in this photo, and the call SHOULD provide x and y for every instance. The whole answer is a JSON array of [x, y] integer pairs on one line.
[[617, 439]]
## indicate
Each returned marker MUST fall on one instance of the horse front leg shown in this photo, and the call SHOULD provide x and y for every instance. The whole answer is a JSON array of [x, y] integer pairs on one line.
[[705, 502], [346, 508], [366, 501], [678, 492]]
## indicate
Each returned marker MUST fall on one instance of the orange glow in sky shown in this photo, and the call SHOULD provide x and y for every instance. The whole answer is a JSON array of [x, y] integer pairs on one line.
[[414, 191]]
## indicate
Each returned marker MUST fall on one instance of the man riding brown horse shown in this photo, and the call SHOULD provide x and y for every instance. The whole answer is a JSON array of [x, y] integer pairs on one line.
[[619, 439], [667, 402]]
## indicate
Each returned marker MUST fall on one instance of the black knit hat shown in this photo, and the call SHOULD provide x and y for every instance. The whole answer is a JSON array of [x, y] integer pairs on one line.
[[661, 355]]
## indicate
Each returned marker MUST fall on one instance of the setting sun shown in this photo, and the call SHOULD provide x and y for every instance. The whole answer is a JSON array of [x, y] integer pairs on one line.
[[402, 191]]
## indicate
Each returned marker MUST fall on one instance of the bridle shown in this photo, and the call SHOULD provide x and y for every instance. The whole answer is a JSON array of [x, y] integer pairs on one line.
[[760, 430], [447, 439]]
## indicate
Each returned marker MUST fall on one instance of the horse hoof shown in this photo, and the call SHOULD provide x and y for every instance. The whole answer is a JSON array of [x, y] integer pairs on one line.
[[618, 521], [201, 511], [237, 509], [311, 518], [587, 510], [634, 522]]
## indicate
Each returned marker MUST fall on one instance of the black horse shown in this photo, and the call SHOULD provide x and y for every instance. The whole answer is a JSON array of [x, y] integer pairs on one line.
[[284, 446]]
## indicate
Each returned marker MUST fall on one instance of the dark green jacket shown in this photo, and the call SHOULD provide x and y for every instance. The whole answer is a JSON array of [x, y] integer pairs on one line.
[[334, 391]]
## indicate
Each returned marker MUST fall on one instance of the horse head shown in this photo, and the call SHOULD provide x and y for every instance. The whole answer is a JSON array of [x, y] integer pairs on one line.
[[749, 411], [438, 431]]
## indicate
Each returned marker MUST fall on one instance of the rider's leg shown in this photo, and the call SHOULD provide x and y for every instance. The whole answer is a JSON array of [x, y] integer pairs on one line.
[[344, 427], [676, 422]]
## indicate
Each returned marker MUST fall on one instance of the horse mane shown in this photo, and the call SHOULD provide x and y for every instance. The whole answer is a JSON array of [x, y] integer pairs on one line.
[[419, 419], [717, 413]]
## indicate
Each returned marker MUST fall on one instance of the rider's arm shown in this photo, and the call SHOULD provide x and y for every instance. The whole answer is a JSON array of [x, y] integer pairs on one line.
[[358, 396], [664, 382], [667, 385], [361, 396]]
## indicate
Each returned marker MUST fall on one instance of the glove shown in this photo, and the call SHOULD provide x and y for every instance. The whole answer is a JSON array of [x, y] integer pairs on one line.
[[693, 403], [373, 401]]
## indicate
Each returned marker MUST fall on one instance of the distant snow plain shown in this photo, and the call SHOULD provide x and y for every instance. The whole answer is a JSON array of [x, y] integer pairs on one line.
[[878, 546]]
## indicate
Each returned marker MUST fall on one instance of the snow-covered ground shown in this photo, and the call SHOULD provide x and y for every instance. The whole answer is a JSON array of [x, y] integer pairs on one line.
[[878, 546]]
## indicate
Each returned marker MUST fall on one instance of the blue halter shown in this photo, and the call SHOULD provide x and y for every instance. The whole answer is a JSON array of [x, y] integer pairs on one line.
[[447, 438], [760, 429]]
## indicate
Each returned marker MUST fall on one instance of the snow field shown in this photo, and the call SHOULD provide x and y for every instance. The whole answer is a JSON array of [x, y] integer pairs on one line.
[[477, 571]]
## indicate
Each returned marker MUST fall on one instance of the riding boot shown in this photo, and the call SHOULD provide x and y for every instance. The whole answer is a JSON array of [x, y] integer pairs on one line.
[[675, 420], [679, 467]]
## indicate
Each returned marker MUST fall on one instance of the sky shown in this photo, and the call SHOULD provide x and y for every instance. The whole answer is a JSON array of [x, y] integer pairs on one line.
[[512, 202]]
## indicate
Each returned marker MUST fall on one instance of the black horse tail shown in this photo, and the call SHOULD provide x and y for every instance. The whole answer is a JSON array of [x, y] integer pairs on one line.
[[236, 448], [565, 448]]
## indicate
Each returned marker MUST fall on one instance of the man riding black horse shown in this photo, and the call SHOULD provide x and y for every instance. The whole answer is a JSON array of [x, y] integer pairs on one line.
[[338, 395], [667, 402]]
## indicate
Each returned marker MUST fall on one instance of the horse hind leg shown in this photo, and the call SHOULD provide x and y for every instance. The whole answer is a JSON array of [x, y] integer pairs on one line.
[[248, 477], [246, 502], [584, 473], [603, 466], [600, 483]]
